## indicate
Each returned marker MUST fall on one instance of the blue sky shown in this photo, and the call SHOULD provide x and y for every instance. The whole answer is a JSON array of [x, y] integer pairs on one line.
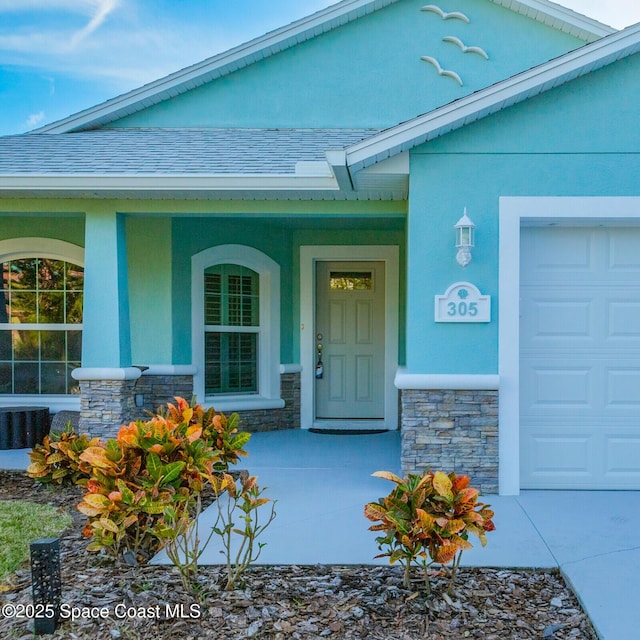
[[58, 57]]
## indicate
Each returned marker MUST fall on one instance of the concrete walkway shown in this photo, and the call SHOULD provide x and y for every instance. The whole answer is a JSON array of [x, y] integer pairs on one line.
[[322, 483]]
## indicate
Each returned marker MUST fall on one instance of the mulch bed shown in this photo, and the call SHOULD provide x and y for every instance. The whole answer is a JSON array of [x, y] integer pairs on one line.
[[283, 602]]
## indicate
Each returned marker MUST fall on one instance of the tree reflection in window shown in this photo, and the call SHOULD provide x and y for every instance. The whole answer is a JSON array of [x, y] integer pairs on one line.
[[40, 325], [351, 280]]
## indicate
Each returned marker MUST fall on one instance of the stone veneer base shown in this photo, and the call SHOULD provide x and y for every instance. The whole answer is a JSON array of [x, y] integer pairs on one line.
[[276, 419], [105, 405], [452, 430], [157, 390]]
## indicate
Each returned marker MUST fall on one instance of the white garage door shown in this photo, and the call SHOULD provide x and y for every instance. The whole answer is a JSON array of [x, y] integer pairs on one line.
[[580, 358]]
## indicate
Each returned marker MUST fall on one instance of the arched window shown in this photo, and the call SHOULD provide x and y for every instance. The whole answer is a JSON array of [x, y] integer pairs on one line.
[[232, 325], [41, 295], [236, 327]]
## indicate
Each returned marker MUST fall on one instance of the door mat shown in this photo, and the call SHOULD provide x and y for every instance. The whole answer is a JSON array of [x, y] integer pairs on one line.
[[348, 432]]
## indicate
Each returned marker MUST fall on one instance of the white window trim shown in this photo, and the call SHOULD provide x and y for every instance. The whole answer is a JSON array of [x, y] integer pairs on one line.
[[17, 248], [268, 396], [309, 255], [516, 212], [30, 247]]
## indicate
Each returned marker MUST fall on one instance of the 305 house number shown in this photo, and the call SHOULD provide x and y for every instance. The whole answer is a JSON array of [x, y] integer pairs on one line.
[[462, 309], [462, 302]]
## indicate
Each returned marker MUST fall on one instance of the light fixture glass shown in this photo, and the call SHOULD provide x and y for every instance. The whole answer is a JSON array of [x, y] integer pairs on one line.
[[465, 239]]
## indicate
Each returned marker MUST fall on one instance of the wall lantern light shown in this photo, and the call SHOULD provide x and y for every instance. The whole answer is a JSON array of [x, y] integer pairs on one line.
[[465, 231]]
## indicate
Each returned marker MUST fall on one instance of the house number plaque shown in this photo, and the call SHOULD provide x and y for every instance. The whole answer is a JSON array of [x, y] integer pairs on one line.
[[463, 302]]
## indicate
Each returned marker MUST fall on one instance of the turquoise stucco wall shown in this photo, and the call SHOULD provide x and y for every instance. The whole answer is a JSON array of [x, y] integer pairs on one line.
[[192, 235], [581, 139], [367, 73], [280, 239], [150, 297], [68, 227]]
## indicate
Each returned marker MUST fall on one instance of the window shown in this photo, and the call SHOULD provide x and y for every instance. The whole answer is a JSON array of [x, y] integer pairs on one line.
[[232, 324], [351, 280], [40, 325], [235, 300]]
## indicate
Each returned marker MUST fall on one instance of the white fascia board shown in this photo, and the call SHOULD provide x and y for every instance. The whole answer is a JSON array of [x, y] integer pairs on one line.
[[337, 161], [560, 17], [228, 182], [216, 66], [493, 99]]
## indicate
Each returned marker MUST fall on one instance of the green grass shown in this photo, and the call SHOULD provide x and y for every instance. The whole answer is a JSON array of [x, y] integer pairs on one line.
[[20, 524]]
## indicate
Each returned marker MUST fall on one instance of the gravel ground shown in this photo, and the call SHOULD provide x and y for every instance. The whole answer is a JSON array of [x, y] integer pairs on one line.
[[283, 602]]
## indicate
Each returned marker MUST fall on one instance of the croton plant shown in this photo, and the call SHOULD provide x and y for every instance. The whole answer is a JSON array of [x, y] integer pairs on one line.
[[150, 466], [427, 519]]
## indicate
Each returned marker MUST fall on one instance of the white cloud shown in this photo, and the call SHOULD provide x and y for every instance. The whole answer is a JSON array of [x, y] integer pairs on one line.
[[103, 9], [35, 39], [35, 119]]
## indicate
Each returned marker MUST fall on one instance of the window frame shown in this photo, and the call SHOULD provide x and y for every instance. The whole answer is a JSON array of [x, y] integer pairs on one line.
[[225, 329], [48, 248], [268, 395]]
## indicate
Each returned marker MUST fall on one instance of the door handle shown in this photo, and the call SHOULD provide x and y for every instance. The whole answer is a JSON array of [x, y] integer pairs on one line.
[[319, 365]]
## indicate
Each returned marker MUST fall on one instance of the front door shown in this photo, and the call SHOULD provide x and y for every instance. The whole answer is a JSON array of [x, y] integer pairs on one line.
[[350, 346]]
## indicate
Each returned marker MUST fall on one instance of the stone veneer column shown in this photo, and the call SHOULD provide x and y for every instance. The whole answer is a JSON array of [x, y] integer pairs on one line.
[[290, 393], [106, 399], [160, 384], [452, 430]]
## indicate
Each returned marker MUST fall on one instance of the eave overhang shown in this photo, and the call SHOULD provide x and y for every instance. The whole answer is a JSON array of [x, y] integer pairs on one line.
[[172, 187]]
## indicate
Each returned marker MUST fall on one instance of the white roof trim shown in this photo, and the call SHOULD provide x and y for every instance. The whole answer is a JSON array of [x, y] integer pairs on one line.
[[284, 38], [559, 17], [493, 99], [161, 183]]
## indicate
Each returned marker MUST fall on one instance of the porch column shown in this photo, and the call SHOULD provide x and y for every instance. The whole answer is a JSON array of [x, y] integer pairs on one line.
[[106, 338], [106, 377]]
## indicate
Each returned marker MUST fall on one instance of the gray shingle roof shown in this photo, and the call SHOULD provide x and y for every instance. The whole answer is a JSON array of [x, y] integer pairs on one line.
[[171, 151]]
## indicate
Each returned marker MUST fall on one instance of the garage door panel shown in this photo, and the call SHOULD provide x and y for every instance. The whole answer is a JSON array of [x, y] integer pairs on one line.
[[562, 319], [623, 320], [624, 257], [622, 455], [554, 255], [623, 389], [561, 387], [580, 358], [548, 321], [561, 454], [564, 458]]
